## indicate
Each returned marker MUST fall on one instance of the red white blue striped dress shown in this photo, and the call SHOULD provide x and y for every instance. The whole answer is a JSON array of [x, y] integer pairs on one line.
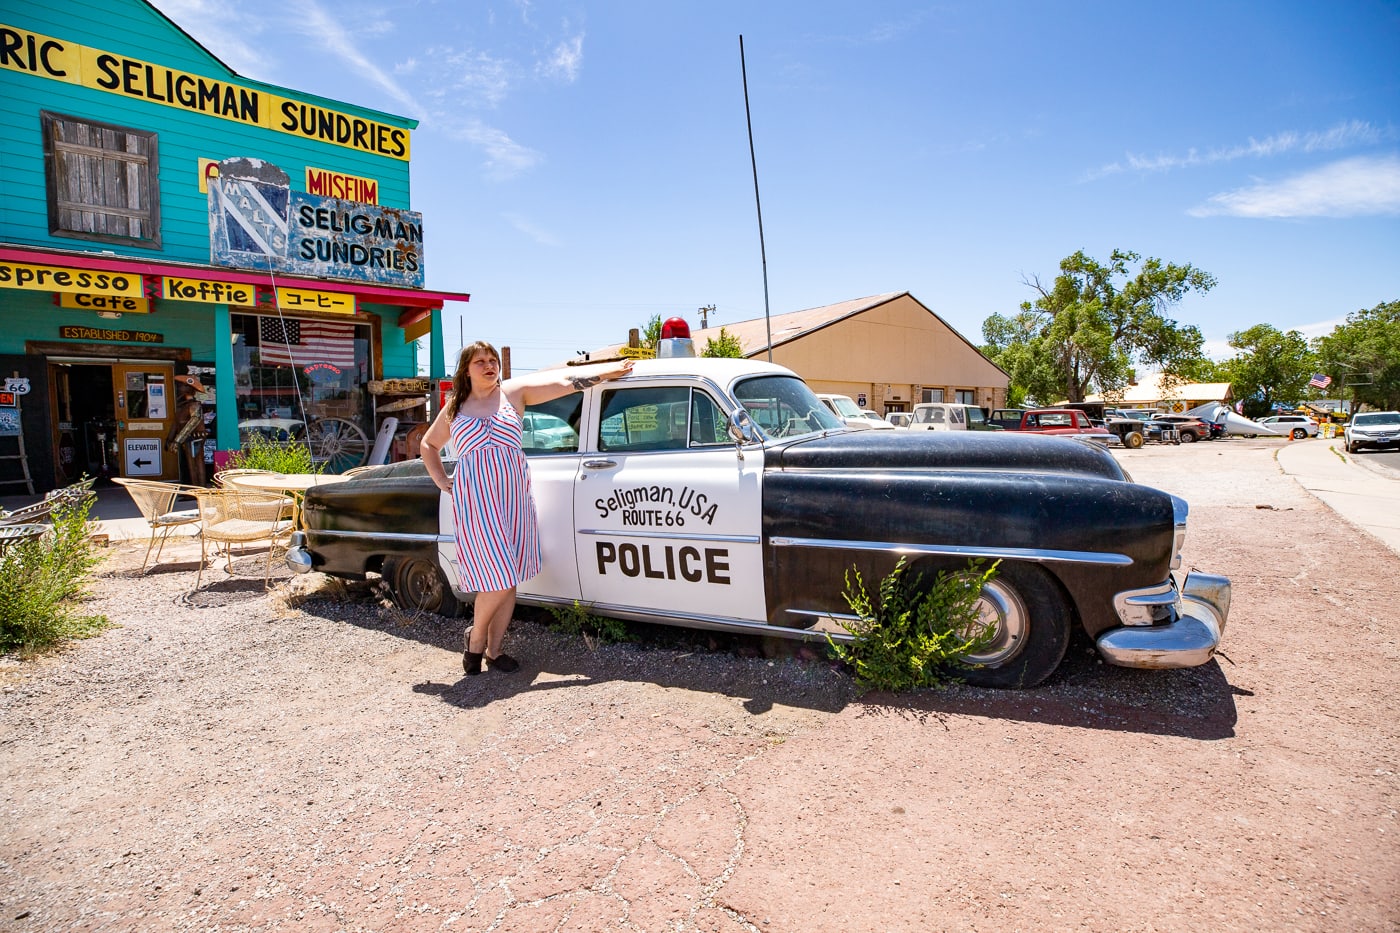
[[498, 533]]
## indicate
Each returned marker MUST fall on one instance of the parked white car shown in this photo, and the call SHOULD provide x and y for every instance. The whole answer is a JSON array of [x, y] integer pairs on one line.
[[1372, 429], [1295, 426], [899, 419], [845, 408]]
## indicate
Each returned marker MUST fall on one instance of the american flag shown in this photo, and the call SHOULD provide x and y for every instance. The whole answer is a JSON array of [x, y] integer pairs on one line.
[[301, 343], [1320, 381]]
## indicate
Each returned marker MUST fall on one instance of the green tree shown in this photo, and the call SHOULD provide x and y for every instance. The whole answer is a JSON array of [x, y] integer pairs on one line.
[[651, 334], [1363, 356], [1270, 367], [723, 345], [1095, 324]]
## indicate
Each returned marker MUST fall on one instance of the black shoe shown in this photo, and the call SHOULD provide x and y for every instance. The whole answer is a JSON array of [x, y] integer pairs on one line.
[[471, 661], [504, 663]]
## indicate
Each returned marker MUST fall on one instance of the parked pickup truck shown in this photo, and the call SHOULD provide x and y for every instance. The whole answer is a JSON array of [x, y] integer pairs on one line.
[[1008, 419], [1067, 422]]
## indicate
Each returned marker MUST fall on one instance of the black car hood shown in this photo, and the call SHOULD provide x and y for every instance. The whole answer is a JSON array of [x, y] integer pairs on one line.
[[944, 450]]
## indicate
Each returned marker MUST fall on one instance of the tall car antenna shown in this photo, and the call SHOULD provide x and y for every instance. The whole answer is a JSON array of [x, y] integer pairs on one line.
[[767, 321]]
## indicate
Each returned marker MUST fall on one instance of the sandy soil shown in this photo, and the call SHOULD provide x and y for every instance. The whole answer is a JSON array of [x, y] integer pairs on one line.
[[234, 760]]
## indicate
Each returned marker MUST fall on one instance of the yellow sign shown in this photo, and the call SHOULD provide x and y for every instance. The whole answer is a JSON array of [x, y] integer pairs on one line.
[[208, 292], [58, 60], [330, 184], [56, 279], [304, 299], [637, 353], [419, 328], [105, 303], [642, 418]]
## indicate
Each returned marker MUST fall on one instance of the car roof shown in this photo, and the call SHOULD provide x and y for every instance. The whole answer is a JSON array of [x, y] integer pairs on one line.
[[721, 370]]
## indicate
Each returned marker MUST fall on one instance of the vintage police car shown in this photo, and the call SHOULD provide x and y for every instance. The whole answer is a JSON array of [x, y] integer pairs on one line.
[[722, 494]]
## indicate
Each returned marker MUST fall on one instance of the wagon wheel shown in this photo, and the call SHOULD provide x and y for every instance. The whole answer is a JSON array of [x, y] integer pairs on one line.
[[338, 444]]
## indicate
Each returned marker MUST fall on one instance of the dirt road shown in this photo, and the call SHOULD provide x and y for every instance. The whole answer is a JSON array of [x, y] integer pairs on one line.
[[234, 761]]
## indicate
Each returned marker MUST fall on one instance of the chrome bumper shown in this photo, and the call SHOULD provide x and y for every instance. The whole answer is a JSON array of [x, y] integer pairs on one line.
[[1189, 640], [298, 559]]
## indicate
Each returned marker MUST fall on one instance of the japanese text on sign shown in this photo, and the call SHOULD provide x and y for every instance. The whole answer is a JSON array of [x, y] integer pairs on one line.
[[302, 299]]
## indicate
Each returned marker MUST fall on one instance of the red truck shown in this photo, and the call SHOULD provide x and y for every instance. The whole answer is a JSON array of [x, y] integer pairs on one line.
[[1067, 422]]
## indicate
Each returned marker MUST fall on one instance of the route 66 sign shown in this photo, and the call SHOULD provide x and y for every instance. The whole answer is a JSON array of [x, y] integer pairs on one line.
[[19, 385]]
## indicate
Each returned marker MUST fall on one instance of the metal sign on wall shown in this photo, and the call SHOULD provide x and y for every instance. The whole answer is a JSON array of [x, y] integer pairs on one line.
[[257, 222]]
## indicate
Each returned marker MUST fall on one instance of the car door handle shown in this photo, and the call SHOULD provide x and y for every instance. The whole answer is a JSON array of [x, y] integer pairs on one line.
[[599, 464]]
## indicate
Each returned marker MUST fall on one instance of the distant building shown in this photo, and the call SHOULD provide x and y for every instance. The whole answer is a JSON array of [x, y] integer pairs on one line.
[[1148, 392], [888, 352], [162, 216]]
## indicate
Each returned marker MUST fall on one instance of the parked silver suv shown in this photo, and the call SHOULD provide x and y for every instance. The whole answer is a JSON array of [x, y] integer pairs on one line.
[[1372, 429]]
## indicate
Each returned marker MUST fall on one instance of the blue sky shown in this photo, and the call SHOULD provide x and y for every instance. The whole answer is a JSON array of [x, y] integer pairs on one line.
[[583, 166]]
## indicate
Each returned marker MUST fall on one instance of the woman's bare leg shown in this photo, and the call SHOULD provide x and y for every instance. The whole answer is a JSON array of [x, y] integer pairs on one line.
[[491, 618]]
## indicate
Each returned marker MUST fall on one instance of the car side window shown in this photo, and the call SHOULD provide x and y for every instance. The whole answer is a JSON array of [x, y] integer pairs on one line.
[[645, 418], [552, 427], [708, 425]]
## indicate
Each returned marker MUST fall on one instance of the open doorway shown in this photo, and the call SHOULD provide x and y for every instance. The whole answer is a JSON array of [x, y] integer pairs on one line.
[[113, 419]]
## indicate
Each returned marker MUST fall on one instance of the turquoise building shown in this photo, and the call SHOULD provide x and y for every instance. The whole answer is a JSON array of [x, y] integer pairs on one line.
[[164, 220]]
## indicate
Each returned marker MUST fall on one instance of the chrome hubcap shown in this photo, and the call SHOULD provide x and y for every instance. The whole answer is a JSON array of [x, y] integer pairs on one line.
[[1000, 607]]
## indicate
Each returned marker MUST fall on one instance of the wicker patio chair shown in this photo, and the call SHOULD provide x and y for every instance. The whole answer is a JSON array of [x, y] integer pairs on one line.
[[229, 517], [156, 501], [221, 478]]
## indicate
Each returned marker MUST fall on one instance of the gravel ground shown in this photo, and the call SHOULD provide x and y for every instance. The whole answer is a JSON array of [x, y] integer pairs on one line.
[[307, 759]]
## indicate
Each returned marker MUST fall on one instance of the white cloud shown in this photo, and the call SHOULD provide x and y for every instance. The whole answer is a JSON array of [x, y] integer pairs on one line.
[[1356, 187], [540, 236], [566, 60], [476, 76], [505, 158], [314, 21], [1345, 135], [224, 31]]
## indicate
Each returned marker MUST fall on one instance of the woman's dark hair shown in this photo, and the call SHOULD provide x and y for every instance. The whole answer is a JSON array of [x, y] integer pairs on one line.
[[462, 378]]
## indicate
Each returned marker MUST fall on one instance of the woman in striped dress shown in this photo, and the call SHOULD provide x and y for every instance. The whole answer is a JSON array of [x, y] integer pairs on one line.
[[497, 532]]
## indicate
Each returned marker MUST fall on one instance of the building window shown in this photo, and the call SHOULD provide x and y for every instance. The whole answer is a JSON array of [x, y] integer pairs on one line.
[[966, 396], [291, 371], [930, 395], [102, 181]]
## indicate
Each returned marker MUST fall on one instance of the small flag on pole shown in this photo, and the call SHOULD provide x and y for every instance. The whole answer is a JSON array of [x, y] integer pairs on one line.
[[1320, 381]]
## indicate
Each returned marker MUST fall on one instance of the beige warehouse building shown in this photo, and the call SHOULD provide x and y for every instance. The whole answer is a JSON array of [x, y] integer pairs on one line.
[[888, 352]]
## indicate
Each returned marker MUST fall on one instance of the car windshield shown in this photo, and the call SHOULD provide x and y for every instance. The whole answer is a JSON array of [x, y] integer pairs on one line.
[[1380, 417], [783, 406], [976, 415], [845, 407]]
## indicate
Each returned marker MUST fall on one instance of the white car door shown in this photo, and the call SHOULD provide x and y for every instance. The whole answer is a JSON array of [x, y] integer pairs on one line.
[[667, 516], [550, 441]]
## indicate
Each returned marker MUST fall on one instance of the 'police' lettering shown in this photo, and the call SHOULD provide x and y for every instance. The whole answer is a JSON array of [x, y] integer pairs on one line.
[[665, 562]]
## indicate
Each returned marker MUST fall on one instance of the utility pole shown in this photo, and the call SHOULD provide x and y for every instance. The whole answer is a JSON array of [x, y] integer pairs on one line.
[[704, 316]]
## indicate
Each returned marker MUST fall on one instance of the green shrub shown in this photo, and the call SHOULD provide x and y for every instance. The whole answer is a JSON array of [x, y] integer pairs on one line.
[[43, 583], [578, 621], [913, 636], [260, 453]]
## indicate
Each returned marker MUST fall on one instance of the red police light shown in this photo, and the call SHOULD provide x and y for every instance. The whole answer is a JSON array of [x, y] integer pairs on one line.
[[675, 327]]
